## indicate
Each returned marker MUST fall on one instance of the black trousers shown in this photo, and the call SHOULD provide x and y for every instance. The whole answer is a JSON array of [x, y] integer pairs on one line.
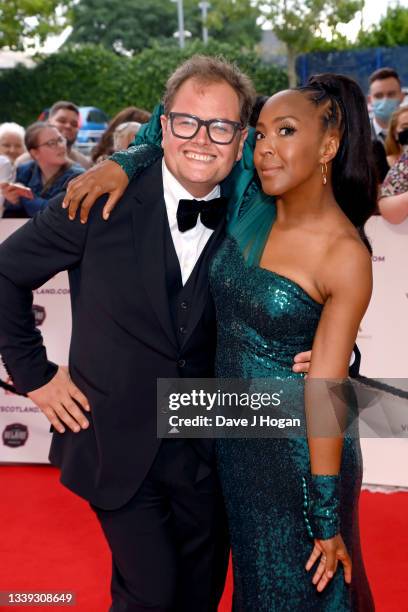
[[169, 543]]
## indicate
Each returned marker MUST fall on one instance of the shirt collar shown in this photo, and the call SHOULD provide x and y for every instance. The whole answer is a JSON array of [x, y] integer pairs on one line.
[[378, 129], [174, 192]]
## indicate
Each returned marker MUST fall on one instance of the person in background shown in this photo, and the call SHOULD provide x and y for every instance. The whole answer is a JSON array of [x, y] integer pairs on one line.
[[64, 116], [105, 147], [393, 202], [11, 141], [11, 147], [397, 136], [125, 134], [385, 95], [42, 178], [6, 174]]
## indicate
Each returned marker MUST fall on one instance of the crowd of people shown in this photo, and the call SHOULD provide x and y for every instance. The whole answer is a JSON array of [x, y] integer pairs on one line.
[[389, 130], [33, 169], [37, 163]]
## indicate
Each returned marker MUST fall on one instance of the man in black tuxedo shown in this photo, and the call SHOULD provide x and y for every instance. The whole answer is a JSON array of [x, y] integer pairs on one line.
[[141, 310]]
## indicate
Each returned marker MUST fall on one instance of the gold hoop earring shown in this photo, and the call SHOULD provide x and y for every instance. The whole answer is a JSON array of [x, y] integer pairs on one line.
[[324, 173]]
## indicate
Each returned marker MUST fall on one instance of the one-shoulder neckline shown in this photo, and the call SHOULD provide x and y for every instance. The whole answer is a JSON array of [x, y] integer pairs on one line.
[[275, 274], [288, 280]]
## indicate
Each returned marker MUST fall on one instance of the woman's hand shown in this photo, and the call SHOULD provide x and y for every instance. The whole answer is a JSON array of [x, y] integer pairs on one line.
[[85, 189], [12, 192], [330, 552]]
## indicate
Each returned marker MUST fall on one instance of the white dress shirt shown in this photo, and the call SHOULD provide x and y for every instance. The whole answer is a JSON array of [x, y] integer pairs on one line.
[[6, 176], [188, 245]]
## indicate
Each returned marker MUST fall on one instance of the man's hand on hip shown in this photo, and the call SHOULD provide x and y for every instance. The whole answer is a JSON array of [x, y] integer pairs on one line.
[[60, 400]]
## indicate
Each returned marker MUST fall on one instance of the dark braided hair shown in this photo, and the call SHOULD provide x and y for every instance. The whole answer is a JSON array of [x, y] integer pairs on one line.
[[354, 180]]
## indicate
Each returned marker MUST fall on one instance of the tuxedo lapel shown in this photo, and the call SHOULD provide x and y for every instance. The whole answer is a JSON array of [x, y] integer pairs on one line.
[[149, 222]]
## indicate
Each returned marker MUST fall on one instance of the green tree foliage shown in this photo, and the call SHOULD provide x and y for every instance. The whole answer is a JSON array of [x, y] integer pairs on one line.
[[337, 43], [92, 75], [122, 26], [391, 31], [24, 21], [131, 26], [298, 23], [234, 21]]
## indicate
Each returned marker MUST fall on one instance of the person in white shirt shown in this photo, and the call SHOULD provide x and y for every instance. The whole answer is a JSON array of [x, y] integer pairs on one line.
[[6, 175], [11, 141]]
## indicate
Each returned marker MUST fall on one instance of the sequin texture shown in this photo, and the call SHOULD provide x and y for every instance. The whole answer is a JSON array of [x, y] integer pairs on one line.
[[264, 319]]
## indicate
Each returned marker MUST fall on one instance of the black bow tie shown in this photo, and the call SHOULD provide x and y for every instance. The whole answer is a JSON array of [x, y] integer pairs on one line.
[[211, 212]]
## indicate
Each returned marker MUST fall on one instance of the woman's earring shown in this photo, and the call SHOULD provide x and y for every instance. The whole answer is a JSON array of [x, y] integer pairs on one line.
[[324, 173]]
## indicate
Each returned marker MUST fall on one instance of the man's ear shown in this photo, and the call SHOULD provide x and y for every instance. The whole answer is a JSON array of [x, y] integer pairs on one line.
[[242, 139]]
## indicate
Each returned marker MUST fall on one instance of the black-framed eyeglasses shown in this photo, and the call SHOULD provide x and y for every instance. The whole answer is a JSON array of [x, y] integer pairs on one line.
[[220, 131], [53, 143]]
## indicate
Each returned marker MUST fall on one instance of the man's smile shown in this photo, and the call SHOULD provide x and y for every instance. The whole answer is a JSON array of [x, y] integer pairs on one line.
[[202, 157]]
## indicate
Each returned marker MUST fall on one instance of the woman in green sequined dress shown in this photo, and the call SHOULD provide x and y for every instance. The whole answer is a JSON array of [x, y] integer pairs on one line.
[[282, 284], [292, 273]]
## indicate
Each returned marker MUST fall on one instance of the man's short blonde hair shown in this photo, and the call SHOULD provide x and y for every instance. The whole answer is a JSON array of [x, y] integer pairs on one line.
[[208, 70]]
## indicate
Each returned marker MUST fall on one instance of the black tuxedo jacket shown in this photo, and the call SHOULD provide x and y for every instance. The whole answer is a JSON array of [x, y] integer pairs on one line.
[[123, 337]]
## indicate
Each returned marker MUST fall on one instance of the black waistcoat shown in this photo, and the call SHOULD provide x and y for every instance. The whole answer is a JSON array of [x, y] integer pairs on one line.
[[180, 297]]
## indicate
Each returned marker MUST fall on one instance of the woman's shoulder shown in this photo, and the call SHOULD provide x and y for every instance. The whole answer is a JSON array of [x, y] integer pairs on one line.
[[343, 236], [396, 180], [27, 165], [348, 243], [391, 159], [348, 264], [342, 248], [24, 171]]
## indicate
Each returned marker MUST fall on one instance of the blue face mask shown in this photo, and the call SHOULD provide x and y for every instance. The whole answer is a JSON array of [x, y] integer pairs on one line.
[[384, 108]]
